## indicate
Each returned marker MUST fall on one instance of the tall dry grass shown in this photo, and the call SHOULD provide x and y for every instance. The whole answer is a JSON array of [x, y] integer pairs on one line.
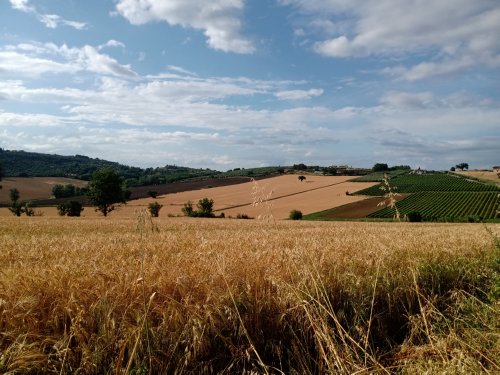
[[225, 296]]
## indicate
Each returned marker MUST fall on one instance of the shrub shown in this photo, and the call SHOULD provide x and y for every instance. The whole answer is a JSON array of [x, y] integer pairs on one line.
[[205, 208], [414, 217], [71, 208], [154, 209], [153, 194], [295, 215], [242, 216]]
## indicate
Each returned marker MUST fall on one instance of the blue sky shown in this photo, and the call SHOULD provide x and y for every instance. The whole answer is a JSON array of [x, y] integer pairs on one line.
[[239, 83]]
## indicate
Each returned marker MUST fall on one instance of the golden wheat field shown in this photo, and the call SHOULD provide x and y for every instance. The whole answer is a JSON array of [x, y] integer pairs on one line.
[[191, 296]]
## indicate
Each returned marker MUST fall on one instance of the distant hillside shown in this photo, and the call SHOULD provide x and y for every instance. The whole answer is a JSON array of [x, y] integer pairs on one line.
[[32, 164]]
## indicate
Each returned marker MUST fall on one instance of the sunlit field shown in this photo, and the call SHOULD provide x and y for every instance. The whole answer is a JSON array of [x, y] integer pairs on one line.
[[182, 295]]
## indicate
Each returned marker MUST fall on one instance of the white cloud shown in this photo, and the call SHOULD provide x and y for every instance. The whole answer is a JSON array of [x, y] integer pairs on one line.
[[51, 21], [21, 5], [453, 35], [111, 43], [299, 94], [220, 20], [37, 59]]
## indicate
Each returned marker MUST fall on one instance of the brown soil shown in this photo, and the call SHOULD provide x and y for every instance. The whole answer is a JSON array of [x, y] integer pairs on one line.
[[357, 210]]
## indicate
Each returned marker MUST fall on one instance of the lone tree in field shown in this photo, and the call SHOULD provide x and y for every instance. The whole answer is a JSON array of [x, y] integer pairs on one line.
[[301, 178], [1, 174], [106, 190], [462, 166], [16, 206]]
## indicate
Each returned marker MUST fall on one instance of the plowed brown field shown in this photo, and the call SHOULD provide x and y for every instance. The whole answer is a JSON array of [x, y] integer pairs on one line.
[[34, 187]]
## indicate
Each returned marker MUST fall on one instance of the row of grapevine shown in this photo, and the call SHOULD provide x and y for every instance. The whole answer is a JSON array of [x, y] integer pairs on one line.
[[439, 205], [430, 182]]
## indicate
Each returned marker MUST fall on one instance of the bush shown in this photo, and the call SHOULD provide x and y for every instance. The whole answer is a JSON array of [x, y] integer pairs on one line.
[[71, 208], [295, 215], [205, 208], [188, 210], [242, 216], [154, 209], [414, 217]]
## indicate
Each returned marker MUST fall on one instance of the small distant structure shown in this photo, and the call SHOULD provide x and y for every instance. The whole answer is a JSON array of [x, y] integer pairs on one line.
[[496, 169], [418, 171]]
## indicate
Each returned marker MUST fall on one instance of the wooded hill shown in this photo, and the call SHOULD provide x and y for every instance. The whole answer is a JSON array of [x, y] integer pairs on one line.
[[32, 164]]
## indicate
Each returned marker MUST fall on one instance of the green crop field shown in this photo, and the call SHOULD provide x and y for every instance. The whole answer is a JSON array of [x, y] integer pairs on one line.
[[379, 176], [446, 205], [409, 183]]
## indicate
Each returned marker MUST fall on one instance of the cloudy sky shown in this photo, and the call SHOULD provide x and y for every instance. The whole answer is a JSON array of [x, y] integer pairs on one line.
[[239, 83]]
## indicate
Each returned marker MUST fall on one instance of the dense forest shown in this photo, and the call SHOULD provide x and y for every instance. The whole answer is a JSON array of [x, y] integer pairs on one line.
[[32, 164]]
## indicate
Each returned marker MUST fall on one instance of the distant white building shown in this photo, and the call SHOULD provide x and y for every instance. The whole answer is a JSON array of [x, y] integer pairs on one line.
[[418, 171], [496, 169]]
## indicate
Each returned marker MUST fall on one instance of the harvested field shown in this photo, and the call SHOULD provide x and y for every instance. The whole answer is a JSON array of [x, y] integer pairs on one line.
[[285, 193], [34, 187], [488, 176], [315, 194]]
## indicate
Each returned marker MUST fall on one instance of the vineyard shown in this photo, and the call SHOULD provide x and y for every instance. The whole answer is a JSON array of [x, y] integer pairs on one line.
[[436, 182], [379, 176], [445, 205]]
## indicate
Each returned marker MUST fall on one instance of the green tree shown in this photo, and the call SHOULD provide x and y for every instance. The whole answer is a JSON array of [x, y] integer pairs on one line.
[[188, 209], [295, 215], [205, 208], [71, 208], [462, 166], [301, 178], [380, 167], [1, 173], [16, 206], [106, 190], [154, 209]]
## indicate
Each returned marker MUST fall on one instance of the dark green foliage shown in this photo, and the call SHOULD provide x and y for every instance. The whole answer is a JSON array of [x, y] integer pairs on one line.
[[446, 206], [301, 178], [380, 167], [300, 167], [452, 169], [28, 209], [204, 208], [295, 215], [32, 164], [154, 209], [243, 216], [67, 191], [106, 190], [412, 183], [153, 194], [14, 195], [414, 217], [71, 208], [16, 206], [462, 166], [379, 176], [188, 209]]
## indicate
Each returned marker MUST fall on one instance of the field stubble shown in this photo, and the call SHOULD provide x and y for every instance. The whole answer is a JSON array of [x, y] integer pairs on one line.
[[218, 296]]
